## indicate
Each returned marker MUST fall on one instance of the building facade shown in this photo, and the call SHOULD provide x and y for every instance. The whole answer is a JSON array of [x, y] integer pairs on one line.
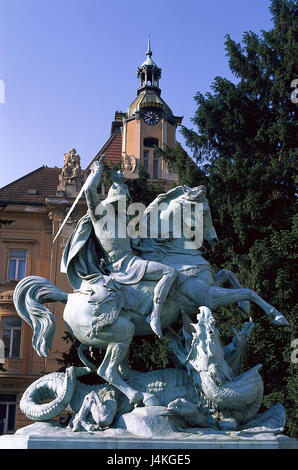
[[32, 209]]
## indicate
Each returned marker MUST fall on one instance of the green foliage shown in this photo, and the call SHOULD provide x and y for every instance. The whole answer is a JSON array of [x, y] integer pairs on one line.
[[141, 190], [178, 159], [107, 179], [71, 358], [149, 353]]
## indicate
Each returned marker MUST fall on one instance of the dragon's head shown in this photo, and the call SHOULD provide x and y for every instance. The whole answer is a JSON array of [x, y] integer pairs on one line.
[[206, 352]]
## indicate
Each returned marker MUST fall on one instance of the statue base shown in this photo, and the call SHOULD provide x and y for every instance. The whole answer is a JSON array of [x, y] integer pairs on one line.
[[154, 428], [45, 436]]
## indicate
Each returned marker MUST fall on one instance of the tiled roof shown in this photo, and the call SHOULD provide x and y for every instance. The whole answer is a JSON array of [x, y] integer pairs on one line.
[[44, 180], [112, 150]]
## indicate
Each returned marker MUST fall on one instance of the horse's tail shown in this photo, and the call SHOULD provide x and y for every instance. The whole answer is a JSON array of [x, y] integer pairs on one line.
[[29, 296]]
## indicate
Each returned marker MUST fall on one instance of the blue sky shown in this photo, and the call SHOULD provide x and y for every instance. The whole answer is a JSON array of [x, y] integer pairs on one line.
[[68, 65]]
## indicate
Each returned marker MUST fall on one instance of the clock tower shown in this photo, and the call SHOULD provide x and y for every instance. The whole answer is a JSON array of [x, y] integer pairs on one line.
[[147, 122]]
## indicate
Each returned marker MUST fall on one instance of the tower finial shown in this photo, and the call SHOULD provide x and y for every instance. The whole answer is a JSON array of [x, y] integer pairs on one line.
[[149, 52]]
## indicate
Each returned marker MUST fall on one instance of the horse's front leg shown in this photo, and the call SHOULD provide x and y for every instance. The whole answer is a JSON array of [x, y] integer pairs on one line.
[[118, 338], [224, 275], [219, 296], [108, 370]]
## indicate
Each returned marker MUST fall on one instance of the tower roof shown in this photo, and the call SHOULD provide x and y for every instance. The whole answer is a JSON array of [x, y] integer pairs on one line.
[[148, 98], [148, 95], [149, 68]]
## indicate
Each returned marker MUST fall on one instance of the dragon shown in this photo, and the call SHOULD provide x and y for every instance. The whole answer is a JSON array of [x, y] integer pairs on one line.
[[206, 388]]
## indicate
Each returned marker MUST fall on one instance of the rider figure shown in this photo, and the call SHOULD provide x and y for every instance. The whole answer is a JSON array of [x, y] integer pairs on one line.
[[121, 262]]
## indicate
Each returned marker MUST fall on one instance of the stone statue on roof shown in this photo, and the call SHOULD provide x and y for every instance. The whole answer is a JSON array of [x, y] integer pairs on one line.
[[70, 177]]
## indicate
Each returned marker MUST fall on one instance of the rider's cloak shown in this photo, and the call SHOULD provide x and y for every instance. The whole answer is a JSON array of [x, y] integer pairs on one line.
[[83, 254]]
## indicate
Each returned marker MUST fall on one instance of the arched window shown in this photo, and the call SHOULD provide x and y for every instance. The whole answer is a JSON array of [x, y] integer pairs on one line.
[[150, 142]]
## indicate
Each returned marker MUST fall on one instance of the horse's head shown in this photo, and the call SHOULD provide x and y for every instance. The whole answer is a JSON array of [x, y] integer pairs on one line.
[[198, 194]]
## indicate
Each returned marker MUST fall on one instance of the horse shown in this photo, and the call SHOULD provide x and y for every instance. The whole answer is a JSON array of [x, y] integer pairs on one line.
[[185, 255], [107, 315]]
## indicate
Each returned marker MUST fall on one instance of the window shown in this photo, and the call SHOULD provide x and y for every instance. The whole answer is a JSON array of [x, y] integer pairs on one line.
[[155, 166], [2, 353], [8, 404], [17, 264], [146, 160], [12, 336]]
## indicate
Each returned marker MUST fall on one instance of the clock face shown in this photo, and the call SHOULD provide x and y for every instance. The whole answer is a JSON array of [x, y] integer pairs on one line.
[[151, 118]]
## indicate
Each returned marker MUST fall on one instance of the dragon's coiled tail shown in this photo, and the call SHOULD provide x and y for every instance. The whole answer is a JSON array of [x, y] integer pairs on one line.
[[58, 386], [29, 296]]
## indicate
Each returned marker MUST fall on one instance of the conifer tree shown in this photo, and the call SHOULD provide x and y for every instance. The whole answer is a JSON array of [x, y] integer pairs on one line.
[[245, 139]]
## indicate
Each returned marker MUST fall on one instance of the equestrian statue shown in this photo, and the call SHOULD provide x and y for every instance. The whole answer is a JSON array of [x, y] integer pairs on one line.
[[126, 286]]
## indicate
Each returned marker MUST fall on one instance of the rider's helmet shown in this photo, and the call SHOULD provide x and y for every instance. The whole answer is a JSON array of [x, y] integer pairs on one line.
[[118, 188]]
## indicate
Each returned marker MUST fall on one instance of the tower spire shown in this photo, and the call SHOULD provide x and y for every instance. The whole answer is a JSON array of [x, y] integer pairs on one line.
[[148, 73], [149, 52]]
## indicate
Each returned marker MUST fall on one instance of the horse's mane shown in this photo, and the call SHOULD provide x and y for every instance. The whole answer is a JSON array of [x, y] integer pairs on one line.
[[165, 197]]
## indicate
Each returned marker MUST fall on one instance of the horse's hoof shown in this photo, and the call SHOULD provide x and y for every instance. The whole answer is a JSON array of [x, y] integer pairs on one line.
[[280, 320], [156, 328], [154, 323]]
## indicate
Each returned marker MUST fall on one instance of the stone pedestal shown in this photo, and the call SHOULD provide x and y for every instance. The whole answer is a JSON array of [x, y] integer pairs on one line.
[[156, 427], [83, 441], [49, 435]]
